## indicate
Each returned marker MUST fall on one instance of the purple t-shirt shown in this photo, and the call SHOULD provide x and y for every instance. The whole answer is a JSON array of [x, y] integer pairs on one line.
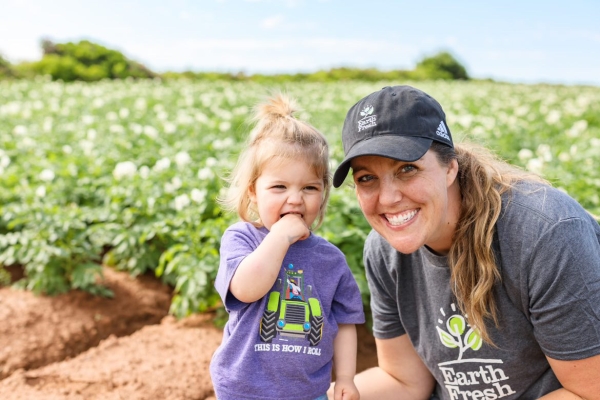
[[281, 347]]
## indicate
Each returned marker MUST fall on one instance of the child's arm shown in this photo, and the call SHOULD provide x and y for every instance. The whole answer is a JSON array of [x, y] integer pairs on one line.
[[344, 362], [257, 272]]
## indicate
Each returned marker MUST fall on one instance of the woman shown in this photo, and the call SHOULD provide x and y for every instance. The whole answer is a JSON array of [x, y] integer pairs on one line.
[[484, 280]]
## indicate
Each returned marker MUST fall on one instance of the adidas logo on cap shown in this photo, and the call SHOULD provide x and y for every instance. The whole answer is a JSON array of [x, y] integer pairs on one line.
[[442, 131]]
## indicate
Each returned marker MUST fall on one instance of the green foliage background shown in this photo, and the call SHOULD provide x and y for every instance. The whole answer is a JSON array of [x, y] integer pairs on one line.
[[125, 173], [90, 62], [85, 61]]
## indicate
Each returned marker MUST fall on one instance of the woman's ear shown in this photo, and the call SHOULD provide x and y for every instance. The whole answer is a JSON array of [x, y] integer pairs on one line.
[[452, 172]]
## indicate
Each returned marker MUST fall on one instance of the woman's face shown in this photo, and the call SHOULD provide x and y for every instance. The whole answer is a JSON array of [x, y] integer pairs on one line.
[[410, 204]]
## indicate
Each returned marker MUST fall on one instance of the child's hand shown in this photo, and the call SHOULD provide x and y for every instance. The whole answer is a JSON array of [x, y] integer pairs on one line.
[[345, 389], [291, 227]]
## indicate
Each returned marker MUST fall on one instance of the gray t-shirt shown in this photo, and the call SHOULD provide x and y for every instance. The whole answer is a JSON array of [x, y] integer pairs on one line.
[[281, 347], [548, 300]]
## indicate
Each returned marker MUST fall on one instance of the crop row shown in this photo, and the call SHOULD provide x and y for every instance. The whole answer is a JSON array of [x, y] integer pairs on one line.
[[125, 173]]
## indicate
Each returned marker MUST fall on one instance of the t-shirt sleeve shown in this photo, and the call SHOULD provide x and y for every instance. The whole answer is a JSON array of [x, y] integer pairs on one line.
[[564, 290], [383, 288], [347, 305], [235, 246]]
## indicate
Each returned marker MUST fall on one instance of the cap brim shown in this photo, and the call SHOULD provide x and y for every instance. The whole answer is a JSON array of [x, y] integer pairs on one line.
[[401, 148]]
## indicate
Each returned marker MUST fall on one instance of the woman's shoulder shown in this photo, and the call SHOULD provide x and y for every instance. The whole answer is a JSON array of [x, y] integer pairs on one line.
[[378, 248], [528, 201], [532, 211]]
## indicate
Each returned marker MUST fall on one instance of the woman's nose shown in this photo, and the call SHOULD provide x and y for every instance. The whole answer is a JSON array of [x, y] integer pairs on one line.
[[390, 193]]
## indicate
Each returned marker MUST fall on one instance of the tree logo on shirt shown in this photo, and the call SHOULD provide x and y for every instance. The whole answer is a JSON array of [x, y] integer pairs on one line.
[[458, 333]]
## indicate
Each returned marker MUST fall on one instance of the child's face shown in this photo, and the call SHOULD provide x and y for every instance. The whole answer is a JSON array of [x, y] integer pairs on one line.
[[287, 186]]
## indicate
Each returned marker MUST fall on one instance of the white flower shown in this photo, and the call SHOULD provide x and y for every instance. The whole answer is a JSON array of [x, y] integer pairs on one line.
[[47, 126], [136, 128], [223, 144], [140, 103], [72, 168], [162, 164], [200, 117], [573, 151], [535, 165], [124, 113], [181, 202], [224, 126], [144, 172], [198, 195], [40, 191], [47, 175], [151, 201], [172, 186], [205, 173], [111, 116], [577, 129], [211, 162], [525, 154], [151, 131], [553, 117], [67, 149], [182, 159], [170, 127], [522, 110], [564, 157], [86, 146], [4, 160], [124, 169], [116, 128], [465, 120], [545, 152], [28, 142], [20, 130], [91, 134]]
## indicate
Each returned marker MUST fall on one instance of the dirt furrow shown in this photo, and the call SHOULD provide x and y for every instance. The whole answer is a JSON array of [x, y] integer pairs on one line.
[[167, 361], [80, 347], [39, 330]]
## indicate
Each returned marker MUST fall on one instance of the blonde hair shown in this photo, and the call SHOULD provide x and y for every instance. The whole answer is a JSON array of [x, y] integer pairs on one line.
[[483, 178], [276, 135]]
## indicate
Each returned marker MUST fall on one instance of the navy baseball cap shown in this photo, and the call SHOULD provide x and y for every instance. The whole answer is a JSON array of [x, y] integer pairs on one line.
[[398, 122]]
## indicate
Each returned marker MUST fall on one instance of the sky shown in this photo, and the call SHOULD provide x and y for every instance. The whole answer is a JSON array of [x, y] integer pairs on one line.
[[518, 41]]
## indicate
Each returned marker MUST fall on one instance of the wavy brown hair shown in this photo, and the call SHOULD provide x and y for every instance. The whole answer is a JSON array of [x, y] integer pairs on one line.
[[483, 178]]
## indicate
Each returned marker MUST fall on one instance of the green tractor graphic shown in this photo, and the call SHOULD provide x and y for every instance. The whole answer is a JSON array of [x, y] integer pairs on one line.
[[291, 311]]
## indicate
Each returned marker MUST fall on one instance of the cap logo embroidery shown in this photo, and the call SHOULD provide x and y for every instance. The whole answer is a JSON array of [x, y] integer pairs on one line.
[[442, 131], [367, 120]]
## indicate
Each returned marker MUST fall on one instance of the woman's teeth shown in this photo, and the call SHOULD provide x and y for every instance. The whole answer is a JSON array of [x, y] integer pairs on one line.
[[399, 219]]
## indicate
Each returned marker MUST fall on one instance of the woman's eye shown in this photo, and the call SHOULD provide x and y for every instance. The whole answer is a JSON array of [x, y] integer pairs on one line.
[[364, 178], [408, 169]]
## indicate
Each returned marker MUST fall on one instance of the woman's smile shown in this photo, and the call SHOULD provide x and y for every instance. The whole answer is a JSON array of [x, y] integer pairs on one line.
[[408, 202], [400, 218]]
